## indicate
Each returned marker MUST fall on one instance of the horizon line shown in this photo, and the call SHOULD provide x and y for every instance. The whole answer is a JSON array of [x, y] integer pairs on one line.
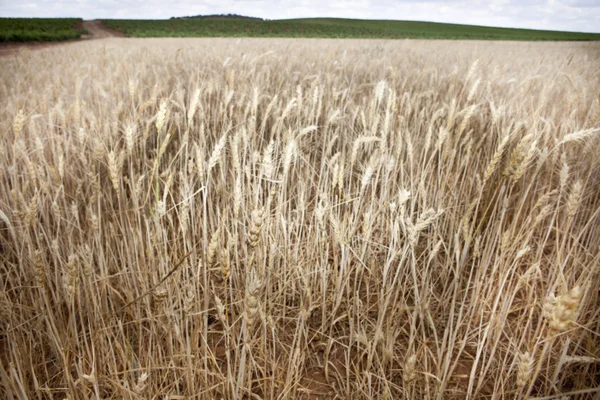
[[321, 17]]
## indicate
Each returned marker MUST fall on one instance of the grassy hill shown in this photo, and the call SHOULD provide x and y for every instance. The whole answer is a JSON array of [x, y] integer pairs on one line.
[[39, 29], [51, 29], [330, 28]]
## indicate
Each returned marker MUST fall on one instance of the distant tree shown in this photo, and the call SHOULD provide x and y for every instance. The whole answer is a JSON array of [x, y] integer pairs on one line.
[[230, 15]]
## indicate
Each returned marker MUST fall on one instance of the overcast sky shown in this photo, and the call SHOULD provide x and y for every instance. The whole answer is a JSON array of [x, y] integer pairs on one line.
[[573, 15]]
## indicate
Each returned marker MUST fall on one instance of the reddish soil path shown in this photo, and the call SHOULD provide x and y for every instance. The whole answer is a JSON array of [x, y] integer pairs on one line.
[[96, 30]]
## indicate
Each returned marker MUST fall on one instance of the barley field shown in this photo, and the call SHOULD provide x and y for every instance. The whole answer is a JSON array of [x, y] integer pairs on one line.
[[300, 219]]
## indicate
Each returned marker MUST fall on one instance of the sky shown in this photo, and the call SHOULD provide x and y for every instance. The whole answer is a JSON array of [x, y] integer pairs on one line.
[[570, 15]]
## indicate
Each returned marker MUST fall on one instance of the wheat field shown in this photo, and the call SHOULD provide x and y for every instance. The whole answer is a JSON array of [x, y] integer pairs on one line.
[[306, 219]]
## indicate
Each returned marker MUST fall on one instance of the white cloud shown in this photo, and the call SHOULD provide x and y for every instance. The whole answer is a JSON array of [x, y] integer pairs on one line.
[[574, 15]]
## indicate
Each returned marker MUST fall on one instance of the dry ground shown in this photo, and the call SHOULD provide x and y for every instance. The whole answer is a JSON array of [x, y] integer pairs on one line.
[[96, 30], [258, 218]]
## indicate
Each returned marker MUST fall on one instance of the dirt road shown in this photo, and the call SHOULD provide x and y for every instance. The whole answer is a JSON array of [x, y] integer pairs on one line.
[[96, 30]]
